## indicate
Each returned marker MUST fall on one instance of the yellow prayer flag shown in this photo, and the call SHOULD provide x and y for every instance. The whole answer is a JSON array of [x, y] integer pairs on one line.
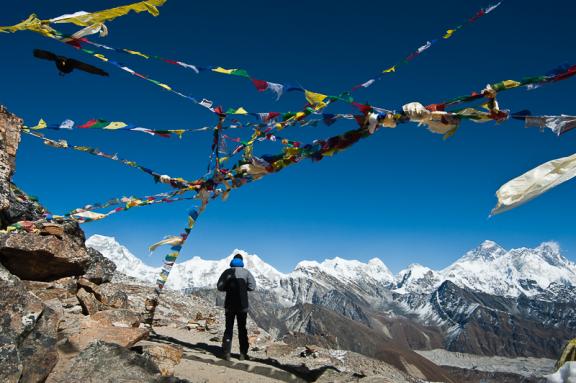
[[240, 110], [101, 57], [389, 70], [510, 84], [449, 33], [136, 53], [115, 125], [223, 70], [32, 23], [315, 99], [84, 19], [41, 125]]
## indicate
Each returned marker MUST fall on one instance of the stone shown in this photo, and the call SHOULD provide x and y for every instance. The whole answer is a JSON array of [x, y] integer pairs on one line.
[[92, 331], [91, 287], [113, 296], [47, 290], [68, 283], [117, 318], [70, 302], [52, 229], [277, 350], [118, 300], [101, 269], [166, 357], [110, 363], [28, 333], [75, 310], [88, 301], [36, 257]]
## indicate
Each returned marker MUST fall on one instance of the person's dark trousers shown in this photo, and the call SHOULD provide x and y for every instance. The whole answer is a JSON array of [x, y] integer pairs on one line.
[[242, 332]]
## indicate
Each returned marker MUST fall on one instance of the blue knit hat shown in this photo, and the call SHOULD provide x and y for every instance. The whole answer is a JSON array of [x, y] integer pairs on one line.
[[237, 261]]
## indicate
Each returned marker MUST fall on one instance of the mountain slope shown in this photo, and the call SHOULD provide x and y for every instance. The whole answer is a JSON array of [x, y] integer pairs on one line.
[[491, 301]]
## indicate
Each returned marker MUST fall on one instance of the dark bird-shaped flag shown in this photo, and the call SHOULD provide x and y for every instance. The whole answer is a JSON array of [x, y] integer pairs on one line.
[[66, 65]]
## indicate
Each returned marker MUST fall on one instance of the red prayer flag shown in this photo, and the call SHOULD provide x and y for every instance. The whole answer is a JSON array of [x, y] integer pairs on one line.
[[261, 85]]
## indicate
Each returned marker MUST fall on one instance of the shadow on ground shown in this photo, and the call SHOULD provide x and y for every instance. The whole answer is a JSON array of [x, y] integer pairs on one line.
[[292, 373]]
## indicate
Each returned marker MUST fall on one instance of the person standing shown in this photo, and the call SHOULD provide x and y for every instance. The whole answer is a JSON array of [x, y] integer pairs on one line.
[[236, 282]]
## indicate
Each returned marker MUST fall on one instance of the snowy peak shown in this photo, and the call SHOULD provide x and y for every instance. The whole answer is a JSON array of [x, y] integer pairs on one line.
[[194, 273], [493, 270], [487, 251], [126, 262], [489, 268], [417, 279], [347, 270]]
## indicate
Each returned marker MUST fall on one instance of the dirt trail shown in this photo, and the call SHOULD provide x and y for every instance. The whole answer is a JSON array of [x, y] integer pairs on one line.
[[201, 361]]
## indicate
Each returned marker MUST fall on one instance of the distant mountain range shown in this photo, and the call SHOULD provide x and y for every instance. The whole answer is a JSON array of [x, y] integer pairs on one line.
[[491, 301]]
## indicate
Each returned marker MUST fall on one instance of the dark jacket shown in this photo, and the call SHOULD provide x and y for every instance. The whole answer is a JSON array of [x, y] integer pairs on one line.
[[236, 281]]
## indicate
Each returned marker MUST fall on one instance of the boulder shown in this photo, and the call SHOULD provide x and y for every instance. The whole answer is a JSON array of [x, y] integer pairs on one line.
[[109, 363], [91, 287], [166, 357], [43, 258], [114, 296], [90, 305], [51, 290], [116, 318], [28, 333], [92, 330], [100, 269]]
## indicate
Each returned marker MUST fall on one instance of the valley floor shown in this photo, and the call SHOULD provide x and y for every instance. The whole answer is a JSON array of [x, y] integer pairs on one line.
[[527, 367]]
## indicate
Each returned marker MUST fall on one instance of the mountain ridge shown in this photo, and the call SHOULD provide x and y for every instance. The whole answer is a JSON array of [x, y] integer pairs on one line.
[[488, 268]]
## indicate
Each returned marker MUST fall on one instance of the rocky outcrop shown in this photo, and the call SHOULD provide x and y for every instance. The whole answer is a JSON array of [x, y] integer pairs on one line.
[[109, 363], [14, 205], [165, 356], [100, 269], [43, 257], [28, 333]]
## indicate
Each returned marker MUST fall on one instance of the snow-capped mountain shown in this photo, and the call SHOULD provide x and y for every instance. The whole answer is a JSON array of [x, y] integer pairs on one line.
[[417, 279], [126, 262], [348, 270], [194, 273], [489, 268], [308, 283], [493, 270]]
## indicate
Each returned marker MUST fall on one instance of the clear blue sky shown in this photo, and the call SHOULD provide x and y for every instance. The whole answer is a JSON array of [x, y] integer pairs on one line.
[[403, 195]]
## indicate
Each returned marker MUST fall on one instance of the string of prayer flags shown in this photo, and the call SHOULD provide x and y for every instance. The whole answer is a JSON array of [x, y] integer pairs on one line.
[[127, 201], [492, 89], [534, 183], [277, 88], [427, 45], [69, 124], [170, 259], [63, 144], [260, 85], [85, 216]]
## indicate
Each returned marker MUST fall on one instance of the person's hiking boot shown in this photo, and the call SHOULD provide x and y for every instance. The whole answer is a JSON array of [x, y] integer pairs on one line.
[[244, 357], [226, 349]]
